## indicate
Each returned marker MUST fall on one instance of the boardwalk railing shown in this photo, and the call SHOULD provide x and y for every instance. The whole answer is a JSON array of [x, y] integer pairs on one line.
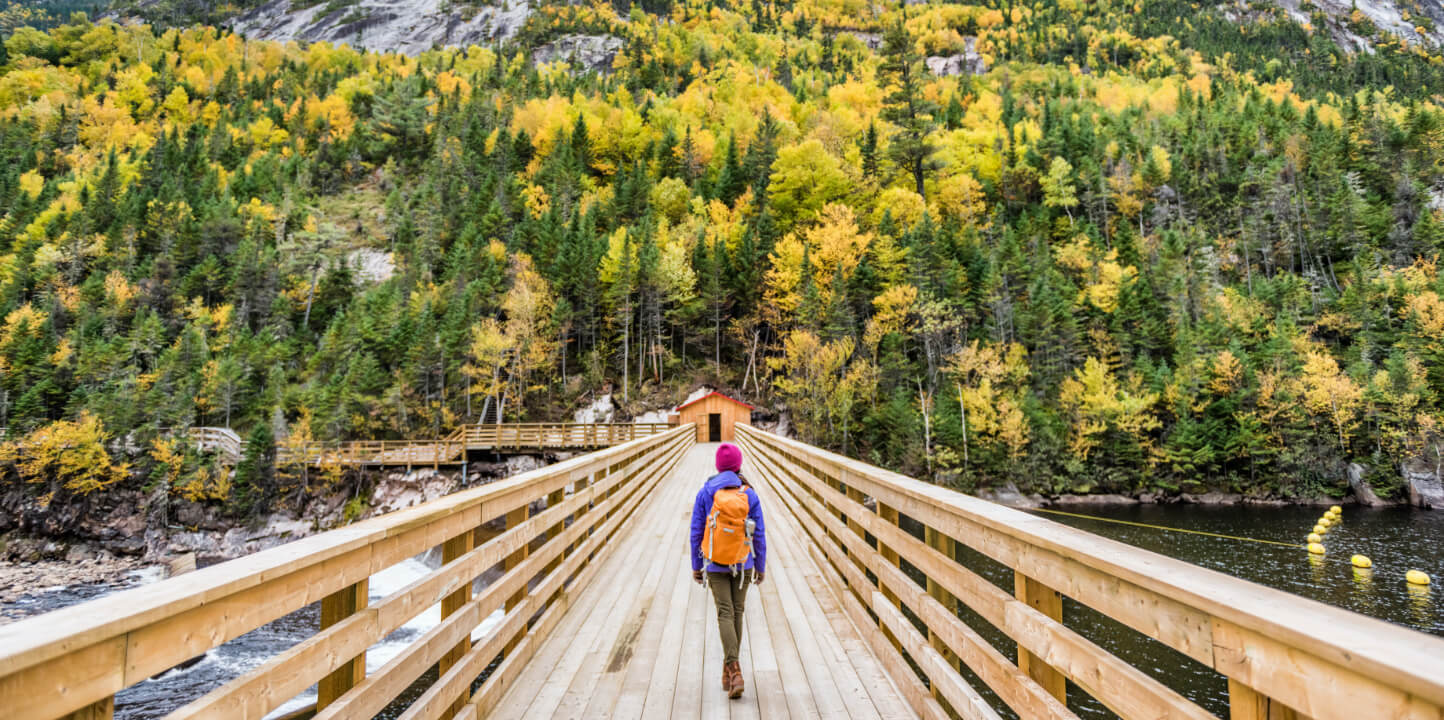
[[74, 660], [451, 450], [557, 435], [1283, 656]]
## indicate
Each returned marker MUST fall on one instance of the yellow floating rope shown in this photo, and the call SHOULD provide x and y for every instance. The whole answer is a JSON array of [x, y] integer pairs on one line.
[[1168, 529]]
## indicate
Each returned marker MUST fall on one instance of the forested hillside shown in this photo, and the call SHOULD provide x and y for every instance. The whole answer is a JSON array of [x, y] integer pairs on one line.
[[1118, 259]]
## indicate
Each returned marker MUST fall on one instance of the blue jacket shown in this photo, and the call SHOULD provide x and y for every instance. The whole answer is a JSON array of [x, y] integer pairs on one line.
[[702, 507]]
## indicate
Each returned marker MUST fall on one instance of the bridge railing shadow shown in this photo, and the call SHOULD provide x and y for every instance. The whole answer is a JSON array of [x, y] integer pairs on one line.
[[1282, 656], [558, 521]]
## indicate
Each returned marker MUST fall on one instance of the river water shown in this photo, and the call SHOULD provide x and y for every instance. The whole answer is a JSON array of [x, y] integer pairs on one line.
[[1396, 540]]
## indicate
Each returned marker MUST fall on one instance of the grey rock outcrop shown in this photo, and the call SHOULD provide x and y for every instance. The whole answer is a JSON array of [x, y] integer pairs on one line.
[[1425, 488], [410, 27], [968, 62], [584, 52], [1362, 492]]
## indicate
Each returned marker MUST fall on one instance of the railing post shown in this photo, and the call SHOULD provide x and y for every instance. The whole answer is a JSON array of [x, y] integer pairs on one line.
[[98, 710], [334, 608], [451, 550], [1048, 601], [554, 499], [947, 546], [1246, 703], [513, 519]]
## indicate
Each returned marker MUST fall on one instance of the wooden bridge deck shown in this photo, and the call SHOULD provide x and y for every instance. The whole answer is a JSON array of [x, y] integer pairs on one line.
[[642, 640], [860, 616]]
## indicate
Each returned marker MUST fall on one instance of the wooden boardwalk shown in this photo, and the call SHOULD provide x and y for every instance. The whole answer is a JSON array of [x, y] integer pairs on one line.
[[859, 616], [642, 640]]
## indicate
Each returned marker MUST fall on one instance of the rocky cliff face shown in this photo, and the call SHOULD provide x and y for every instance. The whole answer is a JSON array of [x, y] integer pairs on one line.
[[405, 26], [1347, 21], [1426, 489], [582, 52]]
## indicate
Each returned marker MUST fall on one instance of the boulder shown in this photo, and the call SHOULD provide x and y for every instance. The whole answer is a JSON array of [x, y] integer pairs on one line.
[[968, 62], [1010, 496], [1360, 487], [584, 52], [1425, 488]]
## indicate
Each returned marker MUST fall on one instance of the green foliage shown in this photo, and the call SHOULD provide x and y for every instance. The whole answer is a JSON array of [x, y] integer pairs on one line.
[[1115, 261]]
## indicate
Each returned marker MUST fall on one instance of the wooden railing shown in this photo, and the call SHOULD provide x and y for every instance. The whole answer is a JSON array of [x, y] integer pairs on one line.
[[1283, 656], [558, 435], [451, 450], [74, 660], [360, 453], [221, 439]]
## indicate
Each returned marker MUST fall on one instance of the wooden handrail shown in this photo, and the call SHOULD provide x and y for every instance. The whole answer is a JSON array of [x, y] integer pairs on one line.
[[451, 450], [77, 658], [1283, 656]]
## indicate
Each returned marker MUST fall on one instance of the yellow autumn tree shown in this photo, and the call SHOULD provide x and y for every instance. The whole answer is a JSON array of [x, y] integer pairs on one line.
[[1099, 404], [66, 454], [990, 381], [488, 353], [1331, 393]]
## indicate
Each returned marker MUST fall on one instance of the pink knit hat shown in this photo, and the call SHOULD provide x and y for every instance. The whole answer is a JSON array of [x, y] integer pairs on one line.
[[729, 458]]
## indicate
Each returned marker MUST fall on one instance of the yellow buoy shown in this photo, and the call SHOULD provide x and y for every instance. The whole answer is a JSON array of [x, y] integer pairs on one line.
[[1361, 561], [1315, 537], [1320, 529], [1316, 549], [1336, 510], [1416, 577]]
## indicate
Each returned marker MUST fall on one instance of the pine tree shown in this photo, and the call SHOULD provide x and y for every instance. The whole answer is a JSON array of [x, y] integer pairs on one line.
[[869, 152], [905, 105]]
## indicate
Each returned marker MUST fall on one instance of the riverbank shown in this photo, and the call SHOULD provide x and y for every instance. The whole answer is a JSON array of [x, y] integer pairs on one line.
[[32, 587]]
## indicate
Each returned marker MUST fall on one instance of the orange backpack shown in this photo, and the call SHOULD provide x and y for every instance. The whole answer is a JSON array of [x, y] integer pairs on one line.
[[725, 540]]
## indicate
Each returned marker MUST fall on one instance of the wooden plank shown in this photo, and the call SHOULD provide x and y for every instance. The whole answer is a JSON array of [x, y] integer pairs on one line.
[[892, 662], [1049, 603], [334, 608], [98, 710], [839, 678], [66, 684], [451, 551], [800, 700], [766, 680], [946, 683], [882, 695], [1245, 703], [687, 693], [1303, 684], [628, 649]]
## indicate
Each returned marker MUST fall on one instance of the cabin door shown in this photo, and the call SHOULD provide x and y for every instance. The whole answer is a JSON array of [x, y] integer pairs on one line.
[[714, 427]]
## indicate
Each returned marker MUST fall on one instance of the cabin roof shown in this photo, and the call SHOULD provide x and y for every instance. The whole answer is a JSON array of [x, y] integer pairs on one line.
[[714, 393]]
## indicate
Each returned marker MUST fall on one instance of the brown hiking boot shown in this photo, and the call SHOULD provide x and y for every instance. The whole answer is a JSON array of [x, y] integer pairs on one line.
[[727, 677], [734, 691]]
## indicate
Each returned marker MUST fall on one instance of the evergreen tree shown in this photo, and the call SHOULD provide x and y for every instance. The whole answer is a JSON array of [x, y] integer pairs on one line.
[[905, 106]]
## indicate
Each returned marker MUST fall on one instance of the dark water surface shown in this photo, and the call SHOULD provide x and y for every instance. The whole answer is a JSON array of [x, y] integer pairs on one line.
[[1396, 539]]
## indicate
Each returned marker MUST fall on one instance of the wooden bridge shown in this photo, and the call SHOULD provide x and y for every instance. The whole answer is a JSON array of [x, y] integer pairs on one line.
[[872, 608], [452, 449]]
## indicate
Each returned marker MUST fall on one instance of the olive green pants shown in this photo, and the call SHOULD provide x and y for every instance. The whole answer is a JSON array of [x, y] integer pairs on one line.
[[729, 592]]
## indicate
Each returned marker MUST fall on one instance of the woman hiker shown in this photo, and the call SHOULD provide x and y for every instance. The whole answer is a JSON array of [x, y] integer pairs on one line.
[[728, 538]]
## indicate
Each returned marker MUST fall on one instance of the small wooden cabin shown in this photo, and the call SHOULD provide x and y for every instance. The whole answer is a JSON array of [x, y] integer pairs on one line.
[[714, 414]]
